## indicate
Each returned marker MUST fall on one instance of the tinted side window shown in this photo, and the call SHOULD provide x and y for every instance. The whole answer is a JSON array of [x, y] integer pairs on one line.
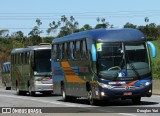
[[78, 52], [72, 51], [66, 50], [57, 52], [84, 53]]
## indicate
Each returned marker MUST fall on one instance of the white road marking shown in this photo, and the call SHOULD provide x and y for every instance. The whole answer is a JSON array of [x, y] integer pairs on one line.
[[44, 101], [126, 114]]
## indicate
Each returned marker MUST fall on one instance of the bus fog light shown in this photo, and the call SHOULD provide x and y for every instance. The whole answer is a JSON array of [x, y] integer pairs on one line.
[[150, 91], [102, 93]]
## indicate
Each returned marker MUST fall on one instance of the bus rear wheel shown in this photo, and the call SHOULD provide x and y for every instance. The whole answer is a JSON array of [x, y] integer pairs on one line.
[[8, 88], [19, 92]]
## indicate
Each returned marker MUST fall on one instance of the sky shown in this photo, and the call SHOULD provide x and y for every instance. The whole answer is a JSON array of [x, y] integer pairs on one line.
[[21, 15]]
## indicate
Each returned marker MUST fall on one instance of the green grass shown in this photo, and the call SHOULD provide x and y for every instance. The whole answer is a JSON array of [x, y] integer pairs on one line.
[[157, 44], [156, 61]]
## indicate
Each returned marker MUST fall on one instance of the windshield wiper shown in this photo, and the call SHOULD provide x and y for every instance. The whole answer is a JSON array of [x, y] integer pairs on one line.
[[134, 69]]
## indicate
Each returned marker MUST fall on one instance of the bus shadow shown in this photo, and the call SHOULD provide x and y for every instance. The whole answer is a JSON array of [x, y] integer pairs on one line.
[[116, 102], [40, 95]]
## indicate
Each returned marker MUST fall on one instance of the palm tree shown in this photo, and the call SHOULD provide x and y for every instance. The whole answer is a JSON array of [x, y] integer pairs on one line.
[[146, 19], [72, 19], [103, 20], [53, 27], [98, 19], [63, 19]]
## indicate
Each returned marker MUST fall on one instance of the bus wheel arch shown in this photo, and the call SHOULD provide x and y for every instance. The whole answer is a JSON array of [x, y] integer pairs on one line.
[[31, 93], [91, 100], [65, 98], [88, 86], [16, 84], [28, 83], [17, 88]]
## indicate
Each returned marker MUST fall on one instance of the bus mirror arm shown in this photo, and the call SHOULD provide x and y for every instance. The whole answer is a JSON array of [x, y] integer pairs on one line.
[[93, 51], [153, 48]]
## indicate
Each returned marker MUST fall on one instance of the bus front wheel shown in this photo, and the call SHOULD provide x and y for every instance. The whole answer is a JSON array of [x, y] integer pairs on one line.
[[19, 92], [91, 100], [65, 98], [32, 93]]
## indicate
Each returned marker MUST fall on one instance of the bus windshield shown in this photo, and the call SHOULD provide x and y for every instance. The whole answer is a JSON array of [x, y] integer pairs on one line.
[[122, 60], [42, 61]]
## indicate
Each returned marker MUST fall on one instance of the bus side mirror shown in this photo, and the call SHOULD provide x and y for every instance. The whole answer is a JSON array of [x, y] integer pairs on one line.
[[93, 52], [153, 48]]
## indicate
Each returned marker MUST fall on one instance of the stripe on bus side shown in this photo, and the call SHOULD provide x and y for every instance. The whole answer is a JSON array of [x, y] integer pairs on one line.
[[70, 75]]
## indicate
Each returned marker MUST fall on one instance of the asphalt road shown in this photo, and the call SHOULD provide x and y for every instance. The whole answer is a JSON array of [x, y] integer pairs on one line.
[[80, 107]]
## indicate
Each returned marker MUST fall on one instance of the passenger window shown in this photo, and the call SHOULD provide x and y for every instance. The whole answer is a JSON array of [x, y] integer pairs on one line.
[[54, 51], [68, 50], [84, 53], [58, 52], [22, 58], [78, 54], [65, 51], [61, 51], [72, 50]]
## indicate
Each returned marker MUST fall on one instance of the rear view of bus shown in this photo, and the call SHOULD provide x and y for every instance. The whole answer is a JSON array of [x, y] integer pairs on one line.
[[6, 78], [31, 70]]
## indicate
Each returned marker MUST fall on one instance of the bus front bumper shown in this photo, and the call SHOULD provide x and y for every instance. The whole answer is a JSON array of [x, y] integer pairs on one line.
[[43, 87], [128, 94]]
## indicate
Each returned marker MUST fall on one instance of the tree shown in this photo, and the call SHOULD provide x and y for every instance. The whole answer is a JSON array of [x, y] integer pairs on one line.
[[35, 31], [98, 19], [130, 25], [53, 27], [34, 34], [103, 23], [87, 27], [39, 23], [63, 19], [18, 34], [3, 33], [146, 19]]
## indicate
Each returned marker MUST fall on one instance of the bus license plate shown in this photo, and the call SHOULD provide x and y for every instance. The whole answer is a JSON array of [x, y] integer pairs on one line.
[[127, 93]]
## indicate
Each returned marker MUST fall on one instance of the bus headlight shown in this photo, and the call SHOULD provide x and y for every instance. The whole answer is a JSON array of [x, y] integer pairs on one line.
[[147, 83], [105, 85]]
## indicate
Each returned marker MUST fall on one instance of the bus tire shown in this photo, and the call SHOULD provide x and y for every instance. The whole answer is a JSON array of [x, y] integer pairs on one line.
[[18, 91], [65, 98], [8, 88], [91, 100], [136, 100], [31, 93]]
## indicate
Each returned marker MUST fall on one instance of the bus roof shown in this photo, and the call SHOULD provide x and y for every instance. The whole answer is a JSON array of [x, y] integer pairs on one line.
[[105, 35], [30, 48]]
